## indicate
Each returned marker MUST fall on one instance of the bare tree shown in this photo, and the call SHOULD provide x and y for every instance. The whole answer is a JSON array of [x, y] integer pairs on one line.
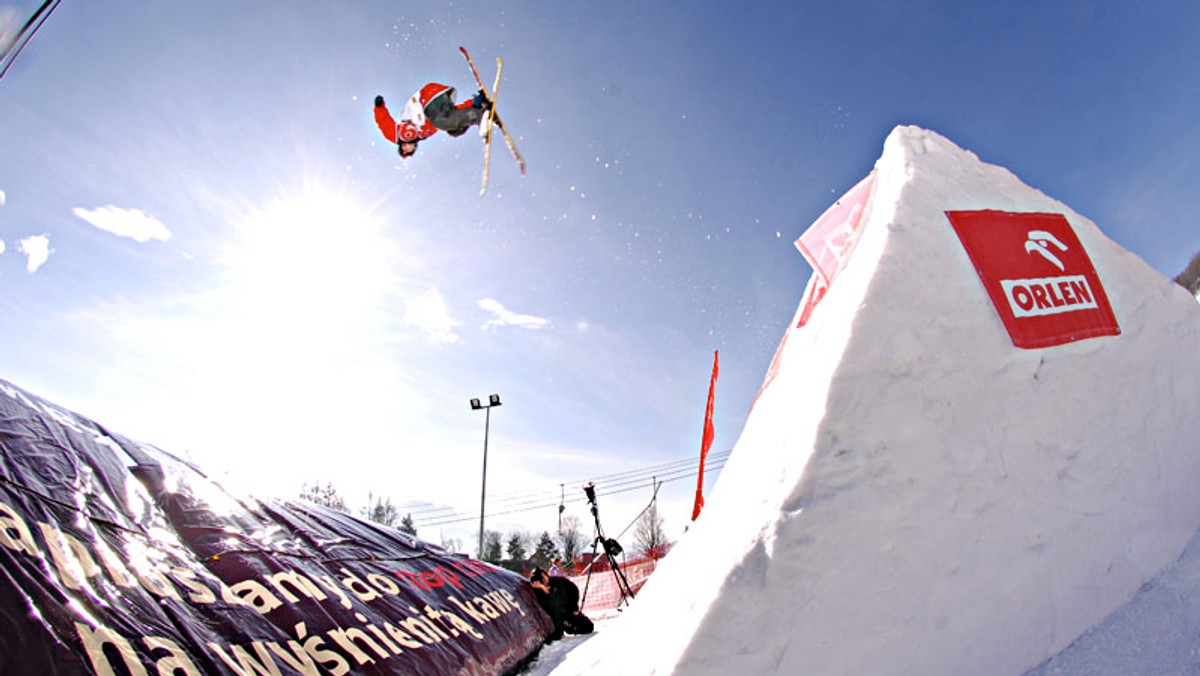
[[325, 495], [452, 544], [570, 539], [493, 549], [648, 533]]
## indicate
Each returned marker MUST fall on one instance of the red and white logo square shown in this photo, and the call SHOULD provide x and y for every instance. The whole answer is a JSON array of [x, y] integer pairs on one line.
[[1037, 274]]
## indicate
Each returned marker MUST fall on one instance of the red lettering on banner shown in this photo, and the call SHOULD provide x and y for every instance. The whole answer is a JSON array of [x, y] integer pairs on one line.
[[1029, 297], [1081, 290], [1065, 289], [441, 576], [1039, 295], [1012, 254]]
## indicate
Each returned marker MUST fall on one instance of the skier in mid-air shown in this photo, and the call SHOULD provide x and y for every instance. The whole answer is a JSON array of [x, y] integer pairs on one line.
[[430, 109]]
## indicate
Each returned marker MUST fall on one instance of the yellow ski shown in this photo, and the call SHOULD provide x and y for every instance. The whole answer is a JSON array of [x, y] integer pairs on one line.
[[491, 121], [494, 117]]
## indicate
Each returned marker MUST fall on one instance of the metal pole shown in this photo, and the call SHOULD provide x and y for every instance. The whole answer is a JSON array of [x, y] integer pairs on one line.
[[483, 491]]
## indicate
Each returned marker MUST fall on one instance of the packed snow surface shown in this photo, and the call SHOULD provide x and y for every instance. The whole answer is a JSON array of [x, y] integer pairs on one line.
[[913, 494]]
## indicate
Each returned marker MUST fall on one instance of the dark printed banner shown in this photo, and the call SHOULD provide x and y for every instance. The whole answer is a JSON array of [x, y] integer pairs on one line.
[[1038, 276], [118, 558]]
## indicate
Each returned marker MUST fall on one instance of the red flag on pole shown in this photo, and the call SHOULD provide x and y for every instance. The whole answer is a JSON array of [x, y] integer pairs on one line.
[[706, 440]]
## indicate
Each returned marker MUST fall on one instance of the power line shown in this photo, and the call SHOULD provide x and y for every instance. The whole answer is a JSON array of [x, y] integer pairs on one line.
[[553, 495], [621, 479], [459, 517], [624, 487], [608, 479]]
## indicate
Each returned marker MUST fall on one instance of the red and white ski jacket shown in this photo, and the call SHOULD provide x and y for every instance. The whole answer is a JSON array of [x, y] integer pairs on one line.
[[412, 125]]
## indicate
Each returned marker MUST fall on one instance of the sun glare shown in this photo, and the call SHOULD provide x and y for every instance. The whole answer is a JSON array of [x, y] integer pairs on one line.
[[315, 263], [301, 362]]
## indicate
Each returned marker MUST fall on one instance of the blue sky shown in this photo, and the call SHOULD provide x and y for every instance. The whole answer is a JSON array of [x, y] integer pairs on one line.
[[208, 245]]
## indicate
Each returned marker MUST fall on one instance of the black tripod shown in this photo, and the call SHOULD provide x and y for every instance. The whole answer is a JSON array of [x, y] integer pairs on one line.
[[612, 549]]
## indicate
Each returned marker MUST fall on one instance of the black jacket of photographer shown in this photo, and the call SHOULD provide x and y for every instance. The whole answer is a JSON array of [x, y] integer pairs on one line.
[[561, 603]]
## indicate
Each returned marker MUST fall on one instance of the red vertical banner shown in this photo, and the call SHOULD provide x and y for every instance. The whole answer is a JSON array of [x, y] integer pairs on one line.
[[706, 440]]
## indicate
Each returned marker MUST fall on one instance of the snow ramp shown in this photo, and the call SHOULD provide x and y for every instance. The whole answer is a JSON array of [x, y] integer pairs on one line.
[[116, 557], [976, 441]]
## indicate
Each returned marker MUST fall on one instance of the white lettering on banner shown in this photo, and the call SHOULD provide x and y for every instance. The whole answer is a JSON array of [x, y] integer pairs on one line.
[[1048, 295]]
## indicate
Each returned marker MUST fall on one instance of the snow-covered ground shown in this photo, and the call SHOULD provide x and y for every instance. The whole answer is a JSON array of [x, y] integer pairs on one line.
[[1157, 633], [913, 494], [552, 654]]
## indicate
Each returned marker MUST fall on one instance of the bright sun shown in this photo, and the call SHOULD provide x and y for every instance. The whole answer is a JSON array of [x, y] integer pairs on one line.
[[314, 266], [299, 337]]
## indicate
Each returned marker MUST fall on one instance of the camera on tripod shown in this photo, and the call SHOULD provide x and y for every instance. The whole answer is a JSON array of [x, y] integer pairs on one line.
[[611, 546], [612, 550]]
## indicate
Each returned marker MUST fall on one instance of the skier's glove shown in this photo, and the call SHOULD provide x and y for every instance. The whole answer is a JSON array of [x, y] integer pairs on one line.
[[481, 100], [378, 101]]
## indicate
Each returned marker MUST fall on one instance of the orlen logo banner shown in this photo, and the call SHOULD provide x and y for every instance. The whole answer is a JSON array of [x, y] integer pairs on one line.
[[1038, 276]]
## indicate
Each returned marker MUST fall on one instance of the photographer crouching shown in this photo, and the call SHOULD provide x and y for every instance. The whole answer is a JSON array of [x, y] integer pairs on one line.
[[559, 597]]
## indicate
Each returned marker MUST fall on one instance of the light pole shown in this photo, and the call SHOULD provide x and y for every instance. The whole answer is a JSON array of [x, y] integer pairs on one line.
[[493, 400]]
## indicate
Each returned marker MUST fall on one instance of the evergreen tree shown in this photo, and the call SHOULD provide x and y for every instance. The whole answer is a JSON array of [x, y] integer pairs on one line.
[[545, 551], [648, 534], [407, 526], [517, 550], [381, 511]]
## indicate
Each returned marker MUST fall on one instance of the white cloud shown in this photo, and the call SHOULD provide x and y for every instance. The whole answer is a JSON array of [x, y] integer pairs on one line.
[[2, 198], [1, 246], [502, 316], [132, 223], [428, 312], [37, 251]]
